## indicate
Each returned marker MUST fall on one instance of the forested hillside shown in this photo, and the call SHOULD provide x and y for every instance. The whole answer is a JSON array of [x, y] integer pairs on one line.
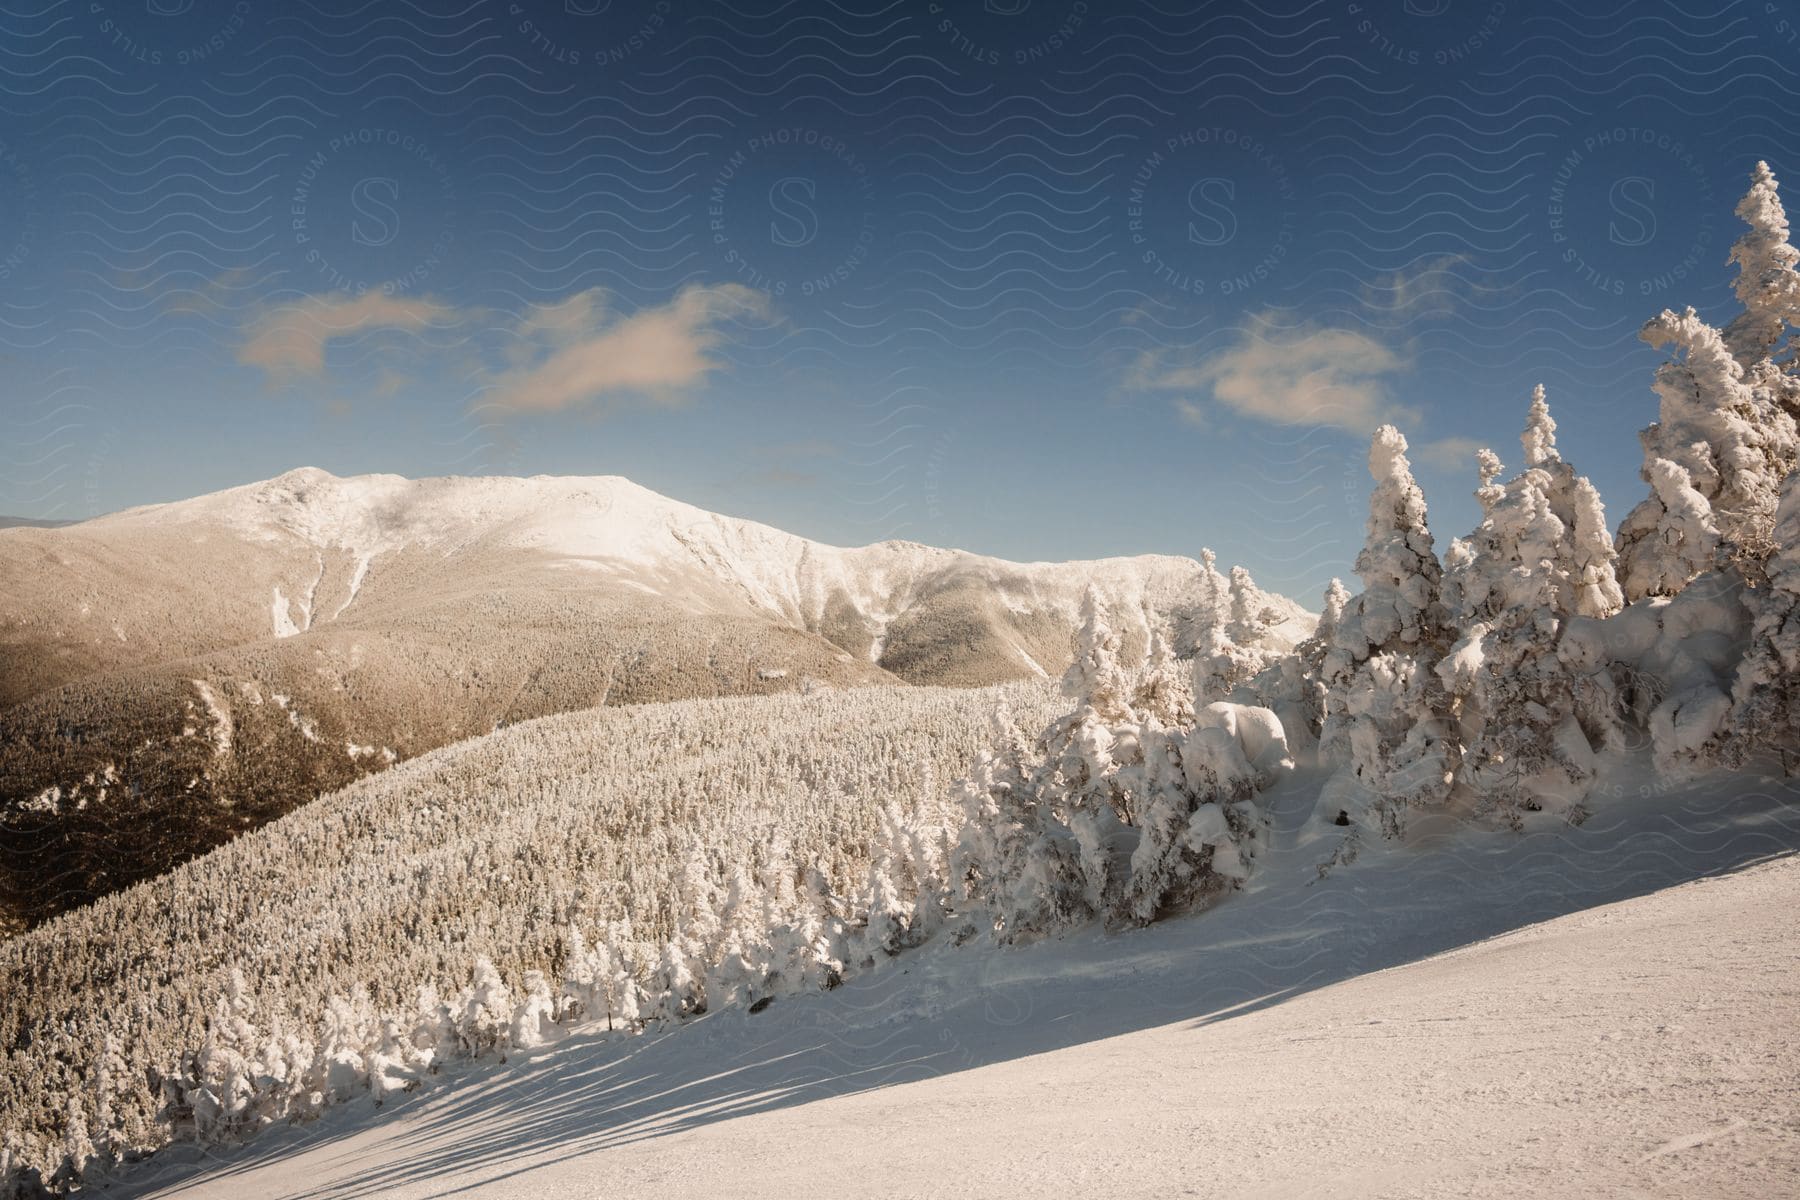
[[505, 850]]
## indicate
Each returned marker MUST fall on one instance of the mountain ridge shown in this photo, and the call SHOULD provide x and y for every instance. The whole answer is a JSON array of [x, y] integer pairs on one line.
[[611, 525]]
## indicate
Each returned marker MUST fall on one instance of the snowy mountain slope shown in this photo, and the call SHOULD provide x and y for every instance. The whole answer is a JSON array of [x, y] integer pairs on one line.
[[175, 674], [1351, 1035]]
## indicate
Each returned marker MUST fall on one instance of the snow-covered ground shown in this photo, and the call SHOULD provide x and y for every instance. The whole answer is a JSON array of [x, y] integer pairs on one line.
[[1602, 1011]]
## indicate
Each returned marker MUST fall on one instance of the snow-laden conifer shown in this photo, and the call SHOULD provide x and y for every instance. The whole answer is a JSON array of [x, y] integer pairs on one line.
[[1385, 709], [1714, 460]]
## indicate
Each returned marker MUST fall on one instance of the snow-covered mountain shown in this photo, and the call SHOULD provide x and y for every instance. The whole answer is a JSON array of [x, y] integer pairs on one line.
[[308, 549], [221, 659]]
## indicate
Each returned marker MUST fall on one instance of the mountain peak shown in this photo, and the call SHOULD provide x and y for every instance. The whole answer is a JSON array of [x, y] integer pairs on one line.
[[303, 475]]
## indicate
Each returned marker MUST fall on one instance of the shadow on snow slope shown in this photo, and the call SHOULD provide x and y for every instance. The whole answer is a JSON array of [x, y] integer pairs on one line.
[[943, 1009]]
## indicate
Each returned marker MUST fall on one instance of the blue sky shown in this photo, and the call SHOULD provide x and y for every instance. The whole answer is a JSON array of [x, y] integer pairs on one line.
[[1041, 278]]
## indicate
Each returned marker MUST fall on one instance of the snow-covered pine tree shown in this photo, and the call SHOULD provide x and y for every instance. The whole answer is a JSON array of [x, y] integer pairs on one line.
[[1293, 685], [1015, 865], [1239, 648], [1586, 572], [739, 971], [1122, 818], [1513, 586], [906, 880], [1766, 691], [1579, 570], [885, 933], [225, 1099], [1714, 459], [534, 1017], [1767, 285], [1331, 614], [1586, 567], [819, 941], [348, 1039], [676, 990], [1384, 706], [1163, 873], [111, 1077], [1094, 677], [434, 1025], [1309, 660], [1200, 824], [697, 934], [1203, 632], [1162, 693], [1088, 762], [399, 1063], [583, 966], [483, 1012], [77, 1147], [622, 994]]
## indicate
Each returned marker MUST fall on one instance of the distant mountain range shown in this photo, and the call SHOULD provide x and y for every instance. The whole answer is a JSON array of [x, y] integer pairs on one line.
[[30, 523], [174, 674]]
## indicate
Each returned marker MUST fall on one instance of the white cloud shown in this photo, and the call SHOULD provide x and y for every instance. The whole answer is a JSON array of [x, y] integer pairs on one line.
[[1296, 375], [292, 337], [578, 352]]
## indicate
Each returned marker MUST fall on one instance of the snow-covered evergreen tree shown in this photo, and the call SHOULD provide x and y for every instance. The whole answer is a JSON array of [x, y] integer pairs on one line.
[[1767, 285], [1539, 558], [622, 993], [885, 932], [1385, 709], [534, 1017], [1014, 859], [1094, 677], [738, 968], [1586, 565], [77, 1147], [1766, 692], [1239, 648], [1201, 825], [1162, 693], [348, 1035], [484, 1012], [1714, 459], [1122, 816], [224, 1097], [676, 986], [1088, 762], [111, 1077], [1293, 685], [1399, 607], [399, 1063]]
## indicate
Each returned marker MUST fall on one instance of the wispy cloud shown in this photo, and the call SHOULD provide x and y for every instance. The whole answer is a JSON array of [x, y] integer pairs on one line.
[[578, 352], [1430, 289], [225, 292], [291, 338], [1287, 375]]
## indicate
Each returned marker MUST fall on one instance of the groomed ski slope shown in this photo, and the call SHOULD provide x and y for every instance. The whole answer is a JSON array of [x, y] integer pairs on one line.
[[1605, 1011]]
